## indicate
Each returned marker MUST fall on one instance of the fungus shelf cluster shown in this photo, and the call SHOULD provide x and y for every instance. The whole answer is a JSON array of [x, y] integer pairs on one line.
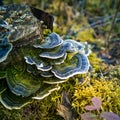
[[60, 58], [30, 69]]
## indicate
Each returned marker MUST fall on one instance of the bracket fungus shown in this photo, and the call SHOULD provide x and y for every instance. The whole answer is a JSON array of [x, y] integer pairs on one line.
[[52, 41], [31, 68]]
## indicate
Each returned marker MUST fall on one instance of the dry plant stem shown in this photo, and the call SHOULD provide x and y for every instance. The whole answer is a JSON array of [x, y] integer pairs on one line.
[[99, 23], [112, 24]]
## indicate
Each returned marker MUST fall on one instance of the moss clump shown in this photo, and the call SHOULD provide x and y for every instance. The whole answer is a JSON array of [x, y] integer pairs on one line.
[[6, 114], [96, 62], [107, 91]]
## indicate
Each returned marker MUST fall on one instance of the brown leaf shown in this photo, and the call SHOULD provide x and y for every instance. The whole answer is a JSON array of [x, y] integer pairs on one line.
[[65, 109], [43, 16]]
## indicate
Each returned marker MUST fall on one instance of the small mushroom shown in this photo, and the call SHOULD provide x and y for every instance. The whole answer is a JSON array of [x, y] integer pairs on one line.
[[44, 66], [2, 9], [52, 41], [78, 64]]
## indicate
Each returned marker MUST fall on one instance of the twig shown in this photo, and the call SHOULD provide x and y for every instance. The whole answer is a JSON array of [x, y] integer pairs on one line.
[[112, 24], [98, 23]]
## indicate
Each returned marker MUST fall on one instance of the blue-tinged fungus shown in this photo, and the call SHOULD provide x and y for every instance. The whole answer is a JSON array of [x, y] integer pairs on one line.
[[5, 48], [40, 64], [74, 46], [43, 66], [54, 80], [45, 91], [35, 65], [56, 53], [29, 60], [4, 24], [87, 49], [12, 101], [23, 84], [79, 64], [46, 74], [4, 51], [53, 40], [58, 61]]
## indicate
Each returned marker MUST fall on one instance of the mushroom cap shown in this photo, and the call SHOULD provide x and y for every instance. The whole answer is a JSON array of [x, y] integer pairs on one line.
[[46, 74], [80, 47], [67, 46], [29, 60], [57, 61], [53, 40], [78, 64], [74, 46], [12, 101], [56, 53], [54, 80], [46, 90], [21, 83], [2, 9], [39, 63]]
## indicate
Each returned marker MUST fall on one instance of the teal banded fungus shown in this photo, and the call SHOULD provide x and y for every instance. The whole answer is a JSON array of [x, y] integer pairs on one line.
[[79, 64], [32, 67], [67, 67], [52, 41], [40, 64]]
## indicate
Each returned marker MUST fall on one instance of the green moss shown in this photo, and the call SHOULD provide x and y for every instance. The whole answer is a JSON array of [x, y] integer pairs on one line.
[[107, 91], [6, 114], [2, 74], [96, 62]]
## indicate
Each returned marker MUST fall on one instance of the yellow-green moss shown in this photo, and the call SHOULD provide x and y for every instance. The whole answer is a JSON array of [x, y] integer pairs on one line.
[[95, 62], [107, 91]]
